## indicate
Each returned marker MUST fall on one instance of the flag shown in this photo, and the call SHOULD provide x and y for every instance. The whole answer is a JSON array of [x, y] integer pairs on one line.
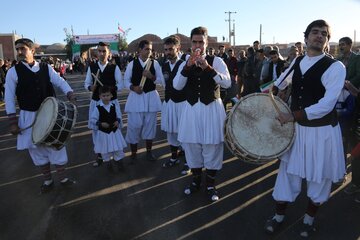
[[266, 87], [120, 29]]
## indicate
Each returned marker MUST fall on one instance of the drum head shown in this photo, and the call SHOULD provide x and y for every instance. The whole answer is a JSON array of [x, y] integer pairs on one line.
[[253, 129], [44, 120]]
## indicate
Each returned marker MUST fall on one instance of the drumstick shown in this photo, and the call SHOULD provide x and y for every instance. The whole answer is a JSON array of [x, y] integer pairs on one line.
[[25, 128], [147, 67], [97, 78], [273, 102]]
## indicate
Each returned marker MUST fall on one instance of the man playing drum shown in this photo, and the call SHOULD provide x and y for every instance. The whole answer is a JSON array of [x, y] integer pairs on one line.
[[202, 122], [31, 83], [317, 153], [98, 74]]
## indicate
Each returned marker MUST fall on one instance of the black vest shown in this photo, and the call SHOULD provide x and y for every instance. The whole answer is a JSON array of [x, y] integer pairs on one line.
[[307, 90], [32, 87], [201, 85], [107, 77], [108, 117], [137, 75], [170, 91]]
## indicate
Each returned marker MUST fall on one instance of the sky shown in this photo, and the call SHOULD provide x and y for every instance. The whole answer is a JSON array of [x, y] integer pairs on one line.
[[283, 21]]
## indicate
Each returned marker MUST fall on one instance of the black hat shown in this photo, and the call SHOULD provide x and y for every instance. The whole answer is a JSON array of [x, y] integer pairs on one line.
[[26, 42]]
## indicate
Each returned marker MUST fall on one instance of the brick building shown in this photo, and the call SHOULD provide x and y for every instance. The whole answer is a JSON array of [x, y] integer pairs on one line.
[[7, 47]]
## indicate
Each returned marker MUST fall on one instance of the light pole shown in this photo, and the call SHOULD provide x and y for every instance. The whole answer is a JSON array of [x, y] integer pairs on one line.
[[229, 20]]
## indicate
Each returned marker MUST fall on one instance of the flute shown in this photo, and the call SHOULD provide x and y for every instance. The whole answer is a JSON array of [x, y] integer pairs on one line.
[[147, 67]]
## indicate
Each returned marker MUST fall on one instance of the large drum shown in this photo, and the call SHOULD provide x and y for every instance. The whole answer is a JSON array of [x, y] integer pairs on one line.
[[54, 122], [252, 132]]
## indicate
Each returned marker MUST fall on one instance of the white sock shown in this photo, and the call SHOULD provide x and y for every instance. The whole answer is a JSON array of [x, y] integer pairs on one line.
[[48, 182], [308, 219], [279, 218], [64, 180]]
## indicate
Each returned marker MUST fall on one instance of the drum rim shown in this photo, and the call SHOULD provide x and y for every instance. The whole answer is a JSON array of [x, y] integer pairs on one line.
[[72, 126], [51, 126], [251, 157]]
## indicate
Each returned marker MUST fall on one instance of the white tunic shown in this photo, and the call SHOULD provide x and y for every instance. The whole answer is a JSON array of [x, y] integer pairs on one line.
[[171, 111], [107, 142], [144, 102], [26, 118], [317, 152], [202, 123]]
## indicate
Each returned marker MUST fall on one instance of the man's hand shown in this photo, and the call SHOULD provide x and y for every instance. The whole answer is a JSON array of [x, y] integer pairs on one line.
[[285, 118], [351, 88], [92, 88], [136, 89], [71, 97], [104, 125], [148, 74], [14, 129], [116, 124]]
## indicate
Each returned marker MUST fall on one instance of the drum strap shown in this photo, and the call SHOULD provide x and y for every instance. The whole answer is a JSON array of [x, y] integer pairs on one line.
[[297, 62]]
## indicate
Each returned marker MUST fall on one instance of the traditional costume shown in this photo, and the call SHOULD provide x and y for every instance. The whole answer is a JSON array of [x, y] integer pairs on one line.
[[202, 121]]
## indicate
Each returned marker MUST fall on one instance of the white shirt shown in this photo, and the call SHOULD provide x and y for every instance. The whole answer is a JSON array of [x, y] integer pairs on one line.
[[333, 80], [129, 70], [117, 76], [12, 80]]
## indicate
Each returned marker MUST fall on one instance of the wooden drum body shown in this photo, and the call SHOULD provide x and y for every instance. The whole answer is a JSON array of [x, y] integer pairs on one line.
[[54, 122]]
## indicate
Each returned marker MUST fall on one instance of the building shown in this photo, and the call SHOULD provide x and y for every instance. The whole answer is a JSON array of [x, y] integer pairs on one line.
[[7, 46]]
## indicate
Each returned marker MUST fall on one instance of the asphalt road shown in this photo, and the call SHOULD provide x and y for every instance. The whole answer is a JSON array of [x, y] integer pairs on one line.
[[147, 201]]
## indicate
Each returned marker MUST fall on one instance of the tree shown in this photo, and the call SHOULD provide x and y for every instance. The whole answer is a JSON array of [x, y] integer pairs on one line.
[[123, 45], [69, 43]]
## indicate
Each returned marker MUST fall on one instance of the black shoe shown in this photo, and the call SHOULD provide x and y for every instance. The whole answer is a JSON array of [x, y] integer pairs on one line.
[[193, 187], [109, 166], [98, 161], [186, 170], [307, 230], [45, 188], [170, 163], [213, 194], [150, 157], [120, 166], [68, 182], [271, 225], [181, 153]]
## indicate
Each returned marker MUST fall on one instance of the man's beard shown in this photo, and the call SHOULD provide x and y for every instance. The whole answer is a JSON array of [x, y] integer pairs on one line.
[[170, 57]]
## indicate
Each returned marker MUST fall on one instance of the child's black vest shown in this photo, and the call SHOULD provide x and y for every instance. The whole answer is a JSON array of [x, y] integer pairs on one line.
[[108, 117]]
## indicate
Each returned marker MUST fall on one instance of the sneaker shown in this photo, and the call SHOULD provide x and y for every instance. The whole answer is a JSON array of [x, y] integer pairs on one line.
[[193, 187], [213, 193], [68, 182], [352, 189], [120, 166], [186, 170], [45, 188], [150, 156], [271, 225], [307, 230], [170, 163]]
